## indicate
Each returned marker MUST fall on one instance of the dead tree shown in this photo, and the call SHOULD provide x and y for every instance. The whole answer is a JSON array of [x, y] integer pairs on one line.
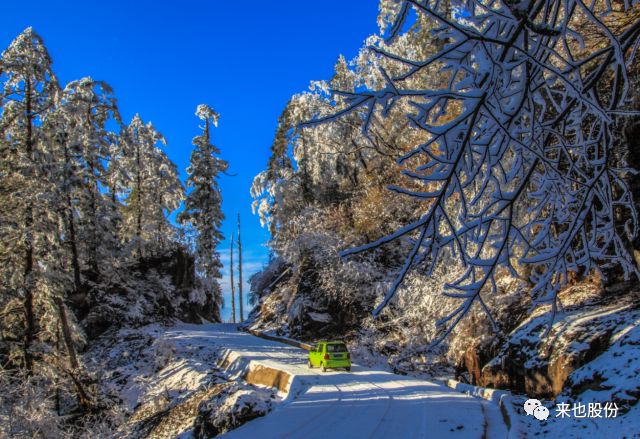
[[233, 292], [240, 272]]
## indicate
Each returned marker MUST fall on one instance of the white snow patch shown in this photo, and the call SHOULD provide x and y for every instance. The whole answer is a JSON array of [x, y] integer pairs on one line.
[[322, 317]]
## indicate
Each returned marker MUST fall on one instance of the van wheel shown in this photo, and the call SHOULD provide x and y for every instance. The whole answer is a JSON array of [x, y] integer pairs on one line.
[[348, 369], [309, 364], [324, 369]]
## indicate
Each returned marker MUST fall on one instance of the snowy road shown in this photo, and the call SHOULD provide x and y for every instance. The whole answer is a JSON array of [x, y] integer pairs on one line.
[[364, 403]]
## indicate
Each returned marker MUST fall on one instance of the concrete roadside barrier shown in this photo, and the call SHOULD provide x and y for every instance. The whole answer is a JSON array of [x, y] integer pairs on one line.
[[285, 340]]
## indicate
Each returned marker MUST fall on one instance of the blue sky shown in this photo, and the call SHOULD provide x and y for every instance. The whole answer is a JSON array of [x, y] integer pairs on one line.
[[245, 59]]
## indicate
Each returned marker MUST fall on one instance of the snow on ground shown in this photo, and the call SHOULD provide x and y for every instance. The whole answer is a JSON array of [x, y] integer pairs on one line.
[[156, 369], [158, 380], [144, 365], [362, 403]]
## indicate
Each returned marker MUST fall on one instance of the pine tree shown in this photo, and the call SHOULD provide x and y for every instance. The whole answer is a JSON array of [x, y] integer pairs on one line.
[[203, 204], [118, 179], [166, 194], [155, 189], [29, 227], [69, 186], [86, 108]]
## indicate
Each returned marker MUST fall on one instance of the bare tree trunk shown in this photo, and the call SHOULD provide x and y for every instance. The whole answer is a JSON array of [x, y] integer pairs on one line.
[[75, 260], [66, 334], [139, 202], [240, 272], [115, 213], [56, 380], [84, 401], [29, 315], [233, 291]]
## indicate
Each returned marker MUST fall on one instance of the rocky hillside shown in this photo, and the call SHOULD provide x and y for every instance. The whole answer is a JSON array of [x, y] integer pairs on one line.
[[591, 352], [153, 289]]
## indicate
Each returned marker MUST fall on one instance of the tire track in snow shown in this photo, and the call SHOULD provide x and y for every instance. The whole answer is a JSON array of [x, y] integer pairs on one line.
[[390, 401], [342, 412], [309, 421], [337, 411]]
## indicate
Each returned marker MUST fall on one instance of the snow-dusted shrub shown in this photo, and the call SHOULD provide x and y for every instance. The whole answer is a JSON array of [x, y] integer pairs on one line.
[[107, 423], [163, 352], [405, 331], [262, 281], [27, 407], [232, 407]]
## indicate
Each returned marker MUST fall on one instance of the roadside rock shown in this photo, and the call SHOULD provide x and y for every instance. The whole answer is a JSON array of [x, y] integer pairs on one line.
[[540, 366], [612, 377], [476, 356], [475, 342], [168, 420]]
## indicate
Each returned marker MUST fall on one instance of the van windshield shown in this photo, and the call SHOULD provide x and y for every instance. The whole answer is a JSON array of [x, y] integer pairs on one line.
[[336, 348]]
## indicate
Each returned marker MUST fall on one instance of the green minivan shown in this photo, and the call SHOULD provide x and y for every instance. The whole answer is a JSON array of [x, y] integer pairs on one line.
[[330, 355]]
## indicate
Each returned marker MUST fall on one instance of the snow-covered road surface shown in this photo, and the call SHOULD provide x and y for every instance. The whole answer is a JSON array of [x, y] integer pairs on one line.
[[363, 403]]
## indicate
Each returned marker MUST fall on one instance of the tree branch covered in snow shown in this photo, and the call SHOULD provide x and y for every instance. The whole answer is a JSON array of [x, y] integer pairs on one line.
[[516, 162]]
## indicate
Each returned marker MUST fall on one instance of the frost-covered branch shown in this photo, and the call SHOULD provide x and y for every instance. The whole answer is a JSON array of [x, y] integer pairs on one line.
[[516, 166]]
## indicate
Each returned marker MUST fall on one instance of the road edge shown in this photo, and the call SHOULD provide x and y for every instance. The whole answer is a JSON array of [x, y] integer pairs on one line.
[[503, 398]]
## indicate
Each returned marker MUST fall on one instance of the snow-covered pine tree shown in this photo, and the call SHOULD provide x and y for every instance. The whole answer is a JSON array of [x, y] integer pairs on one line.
[[118, 179], [30, 229], [86, 107], [203, 205], [34, 230], [266, 187], [154, 191], [166, 194]]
